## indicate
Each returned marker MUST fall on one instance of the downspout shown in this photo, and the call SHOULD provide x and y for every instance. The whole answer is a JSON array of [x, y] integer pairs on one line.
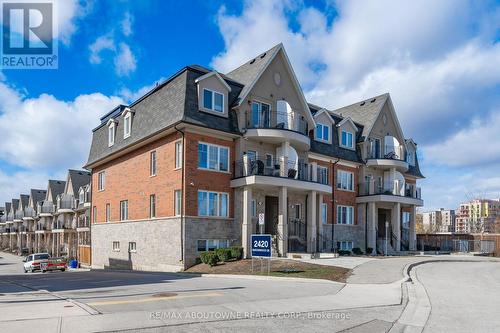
[[333, 202], [182, 193]]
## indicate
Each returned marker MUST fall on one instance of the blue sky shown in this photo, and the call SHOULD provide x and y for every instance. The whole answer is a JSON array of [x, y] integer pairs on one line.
[[439, 60]]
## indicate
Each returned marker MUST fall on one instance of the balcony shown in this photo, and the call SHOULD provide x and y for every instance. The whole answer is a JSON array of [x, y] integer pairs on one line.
[[392, 191], [293, 174], [29, 214], [18, 216], [83, 223], [62, 225], [65, 204], [45, 209], [10, 217], [393, 158], [276, 127]]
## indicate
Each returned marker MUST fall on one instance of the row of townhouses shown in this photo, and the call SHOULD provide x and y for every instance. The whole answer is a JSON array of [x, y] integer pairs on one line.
[[55, 220], [192, 165]]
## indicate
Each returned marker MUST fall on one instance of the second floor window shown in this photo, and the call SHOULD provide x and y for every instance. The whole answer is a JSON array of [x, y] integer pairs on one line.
[[213, 204], [178, 154], [101, 180], [124, 210], [345, 215], [213, 100], [111, 134], [347, 140], [345, 180], [213, 157], [322, 175], [152, 164], [261, 115], [322, 132]]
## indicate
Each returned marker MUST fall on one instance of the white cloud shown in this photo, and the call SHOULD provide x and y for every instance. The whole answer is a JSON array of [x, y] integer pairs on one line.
[[439, 60], [69, 13], [43, 134], [125, 62]]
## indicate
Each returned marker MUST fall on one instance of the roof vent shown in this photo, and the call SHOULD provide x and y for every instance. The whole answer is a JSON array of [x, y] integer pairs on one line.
[[362, 103], [373, 100], [252, 61], [263, 55]]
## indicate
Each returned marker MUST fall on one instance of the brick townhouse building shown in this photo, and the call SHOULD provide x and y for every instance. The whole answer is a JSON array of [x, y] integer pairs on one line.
[[190, 165]]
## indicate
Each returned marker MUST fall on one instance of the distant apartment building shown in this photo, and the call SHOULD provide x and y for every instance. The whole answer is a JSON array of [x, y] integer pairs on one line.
[[439, 221], [478, 216], [191, 165]]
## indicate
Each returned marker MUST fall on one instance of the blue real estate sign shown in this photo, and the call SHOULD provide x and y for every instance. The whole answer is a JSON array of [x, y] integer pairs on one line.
[[261, 246]]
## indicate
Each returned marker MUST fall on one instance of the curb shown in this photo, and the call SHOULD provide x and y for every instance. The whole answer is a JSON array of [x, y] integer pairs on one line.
[[268, 278]]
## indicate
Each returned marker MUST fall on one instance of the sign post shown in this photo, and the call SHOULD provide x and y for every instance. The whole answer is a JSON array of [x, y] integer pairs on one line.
[[261, 223], [262, 248]]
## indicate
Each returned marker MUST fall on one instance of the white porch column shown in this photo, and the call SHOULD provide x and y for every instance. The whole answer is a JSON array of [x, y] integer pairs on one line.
[[283, 221], [372, 227], [311, 222], [396, 225], [314, 171], [320, 222], [413, 233], [246, 226]]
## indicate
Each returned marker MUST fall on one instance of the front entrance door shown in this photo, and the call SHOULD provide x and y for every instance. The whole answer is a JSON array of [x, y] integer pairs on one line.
[[271, 217], [383, 216]]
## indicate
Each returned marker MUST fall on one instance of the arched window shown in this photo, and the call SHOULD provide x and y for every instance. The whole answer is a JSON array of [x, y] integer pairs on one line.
[[284, 116]]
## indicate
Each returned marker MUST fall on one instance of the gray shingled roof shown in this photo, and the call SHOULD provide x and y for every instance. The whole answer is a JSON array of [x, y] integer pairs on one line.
[[56, 187], [247, 73], [364, 112], [15, 204], [78, 178], [37, 195], [24, 200], [173, 101], [8, 206]]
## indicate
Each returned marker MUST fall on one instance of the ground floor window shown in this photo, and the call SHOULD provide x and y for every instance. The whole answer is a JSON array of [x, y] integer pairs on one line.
[[132, 247], [116, 246], [345, 215], [345, 245], [213, 204], [212, 244], [324, 213]]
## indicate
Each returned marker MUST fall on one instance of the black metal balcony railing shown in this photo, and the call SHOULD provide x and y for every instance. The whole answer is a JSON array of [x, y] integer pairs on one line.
[[41, 227], [292, 121], [298, 170], [390, 188], [297, 228], [83, 222], [389, 152]]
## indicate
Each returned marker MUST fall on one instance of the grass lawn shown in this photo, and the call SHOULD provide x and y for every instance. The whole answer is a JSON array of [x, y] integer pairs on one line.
[[279, 267]]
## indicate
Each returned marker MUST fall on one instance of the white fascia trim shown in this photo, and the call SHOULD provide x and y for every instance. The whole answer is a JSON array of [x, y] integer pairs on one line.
[[217, 75], [327, 113]]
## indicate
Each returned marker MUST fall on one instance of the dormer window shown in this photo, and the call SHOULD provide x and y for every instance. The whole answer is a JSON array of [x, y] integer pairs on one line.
[[111, 132], [322, 132], [410, 158], [213, 100], [347, 139], [127, 123]]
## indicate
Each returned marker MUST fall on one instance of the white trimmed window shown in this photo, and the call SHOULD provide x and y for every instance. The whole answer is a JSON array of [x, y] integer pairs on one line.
[[116, 246], [322, 175], [111, 133], [345, 215], [213, 100], [212, 244], [347, 139], [324, 213], [213, 204], [124, 210], [322, 132], [213, 157], [101, 181], [178, 154], [132, 247], [177, 202], [152, 163], [127, 125], [345, 245], [345, 180]]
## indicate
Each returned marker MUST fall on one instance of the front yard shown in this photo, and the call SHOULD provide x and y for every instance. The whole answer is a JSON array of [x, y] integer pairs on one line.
[[279, 267]]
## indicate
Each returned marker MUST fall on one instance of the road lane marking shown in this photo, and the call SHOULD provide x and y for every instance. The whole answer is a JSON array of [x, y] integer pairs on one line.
[[153, 299]]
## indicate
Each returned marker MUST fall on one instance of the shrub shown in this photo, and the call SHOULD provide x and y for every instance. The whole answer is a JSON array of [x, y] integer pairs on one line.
[[369, 250], [344, 253], [357, 251], [223, 254], [209, 258], [236, 252]]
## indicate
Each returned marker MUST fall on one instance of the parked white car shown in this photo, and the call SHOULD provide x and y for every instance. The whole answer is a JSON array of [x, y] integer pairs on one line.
[[43, 262]]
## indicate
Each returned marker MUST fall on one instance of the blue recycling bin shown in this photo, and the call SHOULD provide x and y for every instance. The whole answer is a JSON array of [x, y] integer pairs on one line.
[[73, 264]]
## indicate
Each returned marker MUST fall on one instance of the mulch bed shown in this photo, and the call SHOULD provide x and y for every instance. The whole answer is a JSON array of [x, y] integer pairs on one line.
[[279, 267]]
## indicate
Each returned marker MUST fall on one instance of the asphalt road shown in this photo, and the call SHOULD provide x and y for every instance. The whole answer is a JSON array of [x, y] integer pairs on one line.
[[96, 301]]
